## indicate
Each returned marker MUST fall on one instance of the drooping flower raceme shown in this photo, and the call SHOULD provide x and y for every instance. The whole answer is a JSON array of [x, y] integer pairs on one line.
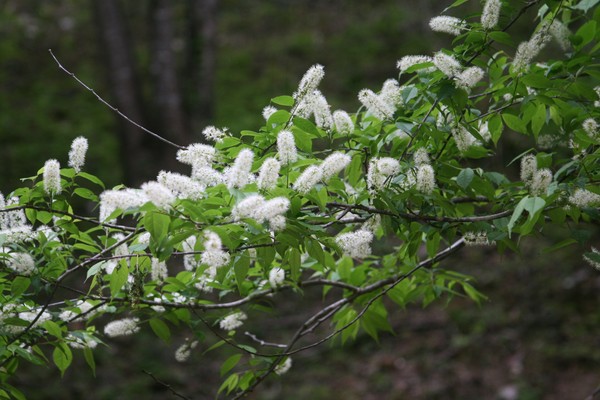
[[425, 179], [158, 194], [122, 327], [490, 14], [463, 138], [447, 24], [590, 126], [276, 277], [213, 256], [52, 177], [158, 270], [343, 123], [197, 154], [183, 352], [528, 168], [376, 105], [77, 153], [238, 175], [540, 182], [355, 244], [380, 170], [310, 81], [182, 186], [584, 198], [469, 78], [283, 367], [286, 147], [21, 263], [268, 111], [561, 34], [391, 93]]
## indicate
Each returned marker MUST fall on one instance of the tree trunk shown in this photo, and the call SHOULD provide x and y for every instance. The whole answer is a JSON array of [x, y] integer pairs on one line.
[[125, 89]]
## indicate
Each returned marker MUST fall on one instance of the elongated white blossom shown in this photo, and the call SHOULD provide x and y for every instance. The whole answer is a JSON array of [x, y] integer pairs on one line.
[[391, 93], [213, 255], [272, 208], [286, 147], [469, 78], [207, 176], [560, 33], [214, 134], [375, 105], [21, 263], [310, 81], [355, 244], [380, 170], [77, 153], [248, 207], [463, 138], [319, 106], [268, 174], [421, 157], [283, 367], [233, 321], [541, 180], [197, 154], [590, 126], [528, 50], [491, 14], [122, 327], [333, 164], [528, 168], [342, 122], [52, 177], [158, 194], [111, 200], [584, 198], [158, 270], [268, 111], [425, 179], [484, 131], [447, 64], [238, 176], [183, 352], [182, 186], [308, 179], [447, 24], [276, 277], [408, 61], [277, 223]]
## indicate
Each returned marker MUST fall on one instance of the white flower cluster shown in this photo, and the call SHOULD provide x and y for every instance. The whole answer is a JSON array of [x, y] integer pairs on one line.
[[81, 342], [23, 312], [391, 93], [380, 169], [447, 24], [342, 122], [111, 200], [528, 50], [464, 79], [590, 126], [13, 224], [233, 321], [310, 81], [408, 61], [490, 14], [469, 78], [183, 353], [196, 154], [158, 194], [214, 134], [355, 244], [21, 263], [181, 186], [425, 179], [122, 327], [77, 153], [52, 177], [561, 34], [286, 147], [268, 111], [421, 157], [376, 105], [463, 138], [276, 277], [239, 175], [537, 180], [268, 174], [81, 311], [477, 239], [316, 104], [213, 256], [283, 367], [158, 271], [308, 179], [256, 207], [584, 198]]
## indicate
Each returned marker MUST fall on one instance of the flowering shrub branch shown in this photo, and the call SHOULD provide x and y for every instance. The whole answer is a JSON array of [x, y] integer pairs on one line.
[[263, 213]]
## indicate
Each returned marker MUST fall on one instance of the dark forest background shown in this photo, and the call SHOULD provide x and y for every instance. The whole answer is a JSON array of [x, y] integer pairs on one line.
[[177, 66]]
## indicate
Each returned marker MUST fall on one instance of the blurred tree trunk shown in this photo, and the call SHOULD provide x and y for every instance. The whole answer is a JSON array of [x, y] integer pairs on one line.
[[123, 83], [167, 97]]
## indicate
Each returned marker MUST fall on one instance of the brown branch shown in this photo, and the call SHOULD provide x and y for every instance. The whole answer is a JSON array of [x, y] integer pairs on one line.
[[166, 385]]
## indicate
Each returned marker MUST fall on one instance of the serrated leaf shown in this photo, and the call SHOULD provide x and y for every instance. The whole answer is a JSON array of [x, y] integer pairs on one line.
[[465, 177]]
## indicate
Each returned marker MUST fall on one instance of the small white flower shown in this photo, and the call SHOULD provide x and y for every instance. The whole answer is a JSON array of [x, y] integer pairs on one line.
[[491, 14], [310, 81], [408, 61], [197, 154], [425, 179], [268, 111], [528, 168], [283, 367], [333, 164], [182, 186], [214, 134], [248, 207], [463, 138], [469, 78], [541, 180], [421, 157], [391, 93], [158, 194], [584, 198], [21, 263], [239, 175], [52, 177], [183, 353], [447, 64], [77, 154], [343, 123], [561, 34], [376, 106], [159, 270], [276, 277], [590, 126], [268, 174]]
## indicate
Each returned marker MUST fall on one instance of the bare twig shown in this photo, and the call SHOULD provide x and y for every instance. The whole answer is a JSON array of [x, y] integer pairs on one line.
[[166, 385]]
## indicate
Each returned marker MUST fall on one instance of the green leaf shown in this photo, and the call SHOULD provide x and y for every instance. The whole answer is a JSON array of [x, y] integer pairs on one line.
[[157, 224], [160, 329], [62, 357], [465, 177], [91, 178], [559, 245], [516, 214], [230, 363], [278, 117], [240, 267], [514, 122], [294, 260], [53, 329], [118, 278], [19, 285], [586, 5], [287, 101], [88, 354], [538, 120], [86, 194], [230, 383]]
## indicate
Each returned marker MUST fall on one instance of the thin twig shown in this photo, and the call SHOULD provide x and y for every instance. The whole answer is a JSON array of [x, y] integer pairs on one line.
[[166, 385], [113, 108], [262, 342]]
